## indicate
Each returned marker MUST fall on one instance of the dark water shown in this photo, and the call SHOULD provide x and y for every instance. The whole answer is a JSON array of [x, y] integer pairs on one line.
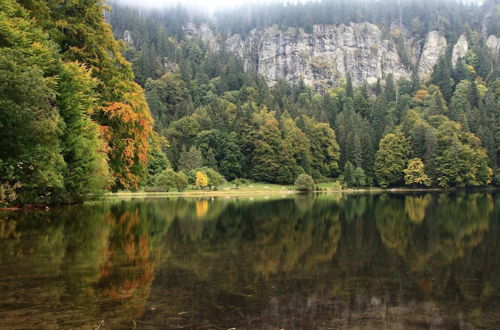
[[330, 261]]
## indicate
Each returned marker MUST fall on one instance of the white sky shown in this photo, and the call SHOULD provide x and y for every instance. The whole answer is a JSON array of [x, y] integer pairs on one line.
[[208, 4], [217, 4]]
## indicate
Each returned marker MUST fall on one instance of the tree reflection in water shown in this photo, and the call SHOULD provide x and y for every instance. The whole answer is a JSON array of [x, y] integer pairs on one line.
[[327, 261]]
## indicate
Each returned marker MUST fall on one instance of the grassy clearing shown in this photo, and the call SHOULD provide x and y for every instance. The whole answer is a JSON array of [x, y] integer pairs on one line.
[[251, 189], [330, 185]]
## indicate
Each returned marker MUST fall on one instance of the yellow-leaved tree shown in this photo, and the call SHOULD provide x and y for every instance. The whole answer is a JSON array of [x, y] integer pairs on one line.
[[201, 180]]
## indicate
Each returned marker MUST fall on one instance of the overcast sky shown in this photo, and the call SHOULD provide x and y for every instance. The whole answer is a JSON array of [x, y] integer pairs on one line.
[[217, 4], [209, 4]]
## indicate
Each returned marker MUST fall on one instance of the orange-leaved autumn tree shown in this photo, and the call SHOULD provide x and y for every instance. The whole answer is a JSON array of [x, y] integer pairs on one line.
[[82, 34], [127, 126]]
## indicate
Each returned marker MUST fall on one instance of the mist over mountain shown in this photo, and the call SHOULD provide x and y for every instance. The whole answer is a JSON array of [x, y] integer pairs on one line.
[[354, 93], [260, 79], [320, 42]]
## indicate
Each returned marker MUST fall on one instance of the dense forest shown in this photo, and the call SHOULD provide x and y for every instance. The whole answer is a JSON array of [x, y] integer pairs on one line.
[[82, 113], [73, 121], [440, 132]]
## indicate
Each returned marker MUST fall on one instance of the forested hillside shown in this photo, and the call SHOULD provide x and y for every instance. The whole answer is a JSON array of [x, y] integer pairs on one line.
[[441, 130], [416, 100], [73, 122]]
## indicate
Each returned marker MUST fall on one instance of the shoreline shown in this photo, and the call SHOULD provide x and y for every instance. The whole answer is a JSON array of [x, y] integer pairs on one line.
[[284, 191], [243, 192]]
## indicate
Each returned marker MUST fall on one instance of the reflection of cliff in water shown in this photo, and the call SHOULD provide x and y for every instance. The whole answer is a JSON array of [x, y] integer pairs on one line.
[[391, 261], [330, 261]]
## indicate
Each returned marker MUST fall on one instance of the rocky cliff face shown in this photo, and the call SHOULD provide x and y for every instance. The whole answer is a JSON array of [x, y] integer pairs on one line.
[[459, 50], [328, 54], [493, 43], [324, 56], [434, 47]]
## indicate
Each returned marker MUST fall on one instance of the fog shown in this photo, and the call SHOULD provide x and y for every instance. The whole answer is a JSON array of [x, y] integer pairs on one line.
[[212, 5], [206, 4]]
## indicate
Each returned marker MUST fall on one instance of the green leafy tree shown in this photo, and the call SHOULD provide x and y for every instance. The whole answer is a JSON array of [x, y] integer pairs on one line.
[[271, 161], [158, 162], [348, 173], [304, 182], [190, 159], [359, 177], [30, 150], [353, 176], [167, 179], [460, 161], [391, 159], [181, 181], [325, 152], [215, 178], [86, 171]]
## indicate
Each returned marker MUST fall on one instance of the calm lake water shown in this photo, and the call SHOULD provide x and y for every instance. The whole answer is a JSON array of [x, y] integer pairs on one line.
[[390, 261]]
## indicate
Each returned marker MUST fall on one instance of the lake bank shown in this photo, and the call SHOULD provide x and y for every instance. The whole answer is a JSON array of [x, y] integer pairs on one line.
[[281, 190], [258, 190]]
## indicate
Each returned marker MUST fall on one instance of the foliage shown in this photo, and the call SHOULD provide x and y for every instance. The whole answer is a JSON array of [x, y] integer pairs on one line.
[[240, 181], [166, 180], [8, 193], [171, 179], [359, 178], [158, 161], [201, 180], [215, 179], [181, 181], [304, 182], [190, 159], [73, 122], [353, 176], [415, 174], [391, 159]]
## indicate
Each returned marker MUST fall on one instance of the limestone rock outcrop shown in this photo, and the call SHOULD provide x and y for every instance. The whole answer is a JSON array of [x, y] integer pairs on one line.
[[324, 56], [459, 50], [434, 47], [329, 53]]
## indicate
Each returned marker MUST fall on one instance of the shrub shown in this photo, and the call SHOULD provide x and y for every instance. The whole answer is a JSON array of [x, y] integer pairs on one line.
[[215, 179], [304, 182], [241, 181], [181, 181], [166, 179], [8, 193]]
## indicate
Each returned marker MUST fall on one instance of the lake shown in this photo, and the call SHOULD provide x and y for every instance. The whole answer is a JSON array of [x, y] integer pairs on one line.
[[395, 261]]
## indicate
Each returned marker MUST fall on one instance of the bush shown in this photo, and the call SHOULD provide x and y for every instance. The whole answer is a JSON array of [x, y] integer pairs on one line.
[[215, 179], [181, 181], [8, 193], [304, 183], [170, 179], [240, 182], [166, 179]]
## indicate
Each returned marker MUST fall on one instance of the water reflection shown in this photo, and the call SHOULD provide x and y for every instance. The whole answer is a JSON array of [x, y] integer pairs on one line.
[[329, 261]]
